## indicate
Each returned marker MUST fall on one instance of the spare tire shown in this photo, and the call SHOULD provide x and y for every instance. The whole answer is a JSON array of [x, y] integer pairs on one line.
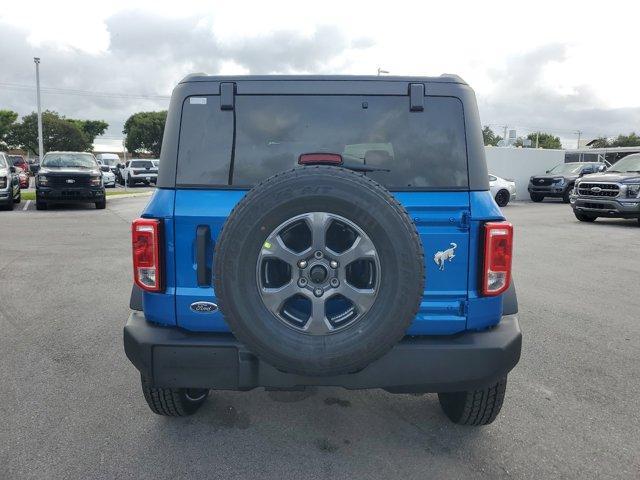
[[319, 271]]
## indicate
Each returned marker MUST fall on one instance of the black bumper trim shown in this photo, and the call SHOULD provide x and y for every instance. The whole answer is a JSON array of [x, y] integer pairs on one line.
[[604, 207], [71, 195], [173, 357]]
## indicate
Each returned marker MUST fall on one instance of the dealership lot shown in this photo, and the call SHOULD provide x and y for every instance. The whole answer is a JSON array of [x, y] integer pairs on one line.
[[71, 404]]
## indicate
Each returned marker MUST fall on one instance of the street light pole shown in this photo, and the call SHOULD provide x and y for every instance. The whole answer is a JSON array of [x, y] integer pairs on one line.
[[381, 71], [40, 142]]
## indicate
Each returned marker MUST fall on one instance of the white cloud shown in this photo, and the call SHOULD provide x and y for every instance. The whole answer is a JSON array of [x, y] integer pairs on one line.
[[560, 65]]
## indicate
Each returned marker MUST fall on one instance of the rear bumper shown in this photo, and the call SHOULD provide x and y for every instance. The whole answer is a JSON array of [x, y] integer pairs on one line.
[[141, 177], [172, 357], [607, 208]]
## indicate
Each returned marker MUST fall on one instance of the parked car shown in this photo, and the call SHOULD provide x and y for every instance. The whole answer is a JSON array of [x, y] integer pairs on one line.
[[9, 184], [559, 181], [23, 177], [110, 159], [20, 162], [108, 177], [502, 190], [139, 171], [69, 177], [34, 165], [267, 258], [614, 193]]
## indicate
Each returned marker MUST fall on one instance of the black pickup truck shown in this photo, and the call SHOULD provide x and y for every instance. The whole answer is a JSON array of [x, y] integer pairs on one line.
[[69, 177], [559, 181], [614, 193]]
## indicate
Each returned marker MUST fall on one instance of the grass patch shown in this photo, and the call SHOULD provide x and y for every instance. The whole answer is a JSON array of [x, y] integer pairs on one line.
[[110, 193]]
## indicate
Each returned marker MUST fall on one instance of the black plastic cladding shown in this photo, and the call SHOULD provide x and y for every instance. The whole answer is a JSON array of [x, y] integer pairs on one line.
[[447, 86]]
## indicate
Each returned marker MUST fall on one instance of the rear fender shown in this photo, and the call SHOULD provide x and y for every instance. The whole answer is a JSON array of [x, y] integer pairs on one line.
[[161, 307], [483, 312]]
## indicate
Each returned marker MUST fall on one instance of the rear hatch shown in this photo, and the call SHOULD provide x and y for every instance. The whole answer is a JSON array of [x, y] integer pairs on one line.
[[226, 148]]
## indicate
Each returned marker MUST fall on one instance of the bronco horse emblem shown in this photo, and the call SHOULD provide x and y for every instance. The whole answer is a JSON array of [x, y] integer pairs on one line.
[[442, 256]]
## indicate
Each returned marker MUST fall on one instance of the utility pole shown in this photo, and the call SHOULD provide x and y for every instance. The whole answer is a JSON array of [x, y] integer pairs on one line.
[[40, 142], [579, 132], [380, 71]]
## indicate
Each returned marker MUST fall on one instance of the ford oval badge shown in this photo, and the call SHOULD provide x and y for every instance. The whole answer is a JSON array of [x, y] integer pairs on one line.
[[204, 307]]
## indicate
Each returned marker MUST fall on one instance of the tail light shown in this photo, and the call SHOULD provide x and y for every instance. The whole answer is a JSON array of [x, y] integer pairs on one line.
[[147, 267], [498, 246]]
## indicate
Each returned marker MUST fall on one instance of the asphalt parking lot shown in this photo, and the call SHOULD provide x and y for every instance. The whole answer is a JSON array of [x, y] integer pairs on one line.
[[71, 405]]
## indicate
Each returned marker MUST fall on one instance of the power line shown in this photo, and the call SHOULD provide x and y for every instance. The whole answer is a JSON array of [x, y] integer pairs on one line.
[[81, 93]]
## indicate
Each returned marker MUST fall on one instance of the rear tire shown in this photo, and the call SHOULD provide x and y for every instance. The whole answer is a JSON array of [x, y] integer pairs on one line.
[[173, 402], [584, 218], [18, 199], [101, 205], [474, 407], [41, 205], [536, 197], [502, 198]]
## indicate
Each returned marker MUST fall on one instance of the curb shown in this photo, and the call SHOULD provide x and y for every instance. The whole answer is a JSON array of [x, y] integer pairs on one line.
[[128, 195]]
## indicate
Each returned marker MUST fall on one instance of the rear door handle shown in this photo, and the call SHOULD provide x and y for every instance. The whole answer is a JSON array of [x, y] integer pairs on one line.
[[203, 271]]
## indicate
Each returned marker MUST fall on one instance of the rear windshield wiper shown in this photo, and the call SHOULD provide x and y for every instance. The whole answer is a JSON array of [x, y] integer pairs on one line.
[[336, 160]]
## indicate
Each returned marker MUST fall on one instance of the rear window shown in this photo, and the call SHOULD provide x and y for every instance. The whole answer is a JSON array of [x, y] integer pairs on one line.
[[421, 149], [141, 164]]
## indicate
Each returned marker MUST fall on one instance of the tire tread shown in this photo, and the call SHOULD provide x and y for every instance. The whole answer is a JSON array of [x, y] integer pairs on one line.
[[479, 407], [169, 402]]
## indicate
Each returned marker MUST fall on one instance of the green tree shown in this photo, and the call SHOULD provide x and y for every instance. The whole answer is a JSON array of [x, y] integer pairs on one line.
[[58, 133], [544, 140], [144, 131], [7, 119], [91, 128], [490, 137], [631, 140]]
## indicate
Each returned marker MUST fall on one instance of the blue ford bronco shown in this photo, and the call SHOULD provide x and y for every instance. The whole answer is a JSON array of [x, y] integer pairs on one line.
[[323, 230]]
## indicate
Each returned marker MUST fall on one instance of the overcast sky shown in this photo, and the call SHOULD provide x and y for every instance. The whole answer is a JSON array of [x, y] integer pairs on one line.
[[553, 66]]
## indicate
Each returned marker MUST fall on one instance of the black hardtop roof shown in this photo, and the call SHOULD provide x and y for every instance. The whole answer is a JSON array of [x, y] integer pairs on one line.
[[202, 77]]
